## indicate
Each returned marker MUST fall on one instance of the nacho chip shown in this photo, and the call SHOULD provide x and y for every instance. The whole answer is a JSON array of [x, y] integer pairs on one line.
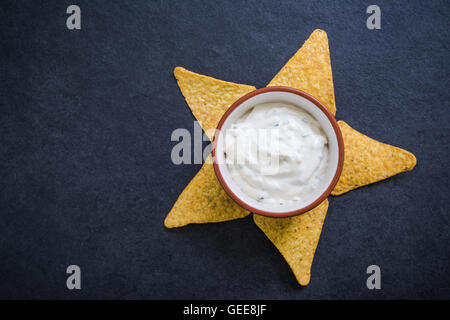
[[368, 161], [203, 200], [309, 70], [296, 238], [207, 97]]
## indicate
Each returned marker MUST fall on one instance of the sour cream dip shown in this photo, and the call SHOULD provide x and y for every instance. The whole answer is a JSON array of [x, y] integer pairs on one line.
[[276, 153]]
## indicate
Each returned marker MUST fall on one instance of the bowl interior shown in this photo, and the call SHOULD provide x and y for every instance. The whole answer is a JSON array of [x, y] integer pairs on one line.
[[315, 112]]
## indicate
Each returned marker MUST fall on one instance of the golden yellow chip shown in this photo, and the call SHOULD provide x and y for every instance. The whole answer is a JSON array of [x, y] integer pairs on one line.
[[202, 201], [207, 97], [296, 238], [309, 70], [368, 161]]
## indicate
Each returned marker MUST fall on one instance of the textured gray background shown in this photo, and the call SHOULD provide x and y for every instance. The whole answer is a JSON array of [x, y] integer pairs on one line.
[[85, 170]]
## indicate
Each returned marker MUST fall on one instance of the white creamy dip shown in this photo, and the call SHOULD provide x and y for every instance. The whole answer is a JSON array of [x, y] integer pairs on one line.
[[276, 153]]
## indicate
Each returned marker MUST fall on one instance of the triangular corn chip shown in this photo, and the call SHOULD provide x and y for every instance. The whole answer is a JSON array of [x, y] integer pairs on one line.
[[367, 160], [203, 200], [296, 238], [309, 70], [207, 97]]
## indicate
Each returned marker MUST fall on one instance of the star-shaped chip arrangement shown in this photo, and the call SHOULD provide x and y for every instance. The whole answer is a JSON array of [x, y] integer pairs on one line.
[[366, 160]]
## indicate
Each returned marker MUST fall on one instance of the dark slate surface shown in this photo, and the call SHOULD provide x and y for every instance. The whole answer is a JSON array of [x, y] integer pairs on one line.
[[85, 124]]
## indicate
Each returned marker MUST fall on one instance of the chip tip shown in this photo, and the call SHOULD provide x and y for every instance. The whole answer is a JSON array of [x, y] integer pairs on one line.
[[167, 222], [304, 282], [303, 278], [320, 32], [178, 69], [413, 161]]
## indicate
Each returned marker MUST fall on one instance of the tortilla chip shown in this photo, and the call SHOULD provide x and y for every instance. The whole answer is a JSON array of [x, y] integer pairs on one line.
[[207, 97], [203, 200], [309, 70], [368, 161], [296, 238]]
